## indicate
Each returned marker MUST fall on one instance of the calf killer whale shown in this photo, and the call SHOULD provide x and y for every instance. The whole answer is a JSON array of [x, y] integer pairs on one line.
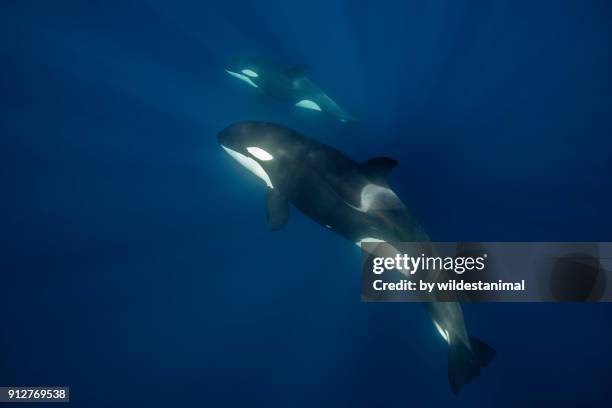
[[287, 85], [353, 200]]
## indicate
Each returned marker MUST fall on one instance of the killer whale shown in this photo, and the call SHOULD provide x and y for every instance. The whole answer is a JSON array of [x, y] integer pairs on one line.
[[353, 200], [290, 86]]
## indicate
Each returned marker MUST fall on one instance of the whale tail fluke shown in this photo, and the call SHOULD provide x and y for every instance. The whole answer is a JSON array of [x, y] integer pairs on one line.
[[465, 364]]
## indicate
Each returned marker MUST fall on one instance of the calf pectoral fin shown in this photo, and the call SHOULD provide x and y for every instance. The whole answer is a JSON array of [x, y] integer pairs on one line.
[[277, 209]]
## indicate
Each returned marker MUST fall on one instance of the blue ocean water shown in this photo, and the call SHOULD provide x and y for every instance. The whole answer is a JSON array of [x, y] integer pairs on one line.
[[137, 267]]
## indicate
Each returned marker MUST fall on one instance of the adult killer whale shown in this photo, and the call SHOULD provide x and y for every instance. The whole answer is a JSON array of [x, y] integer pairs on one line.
[[287, 85], [353, 200]]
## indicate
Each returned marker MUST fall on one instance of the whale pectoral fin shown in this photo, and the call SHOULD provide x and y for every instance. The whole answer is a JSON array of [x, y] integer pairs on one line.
[[378, 168], [277, 209]]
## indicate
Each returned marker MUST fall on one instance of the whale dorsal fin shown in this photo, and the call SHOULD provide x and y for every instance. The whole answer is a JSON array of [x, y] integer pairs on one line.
[[378, 168], [277, 209], [296, 71]]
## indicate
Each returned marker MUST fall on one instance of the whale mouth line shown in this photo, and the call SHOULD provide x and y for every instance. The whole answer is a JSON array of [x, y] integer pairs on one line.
[[250, 164], [242, 77]]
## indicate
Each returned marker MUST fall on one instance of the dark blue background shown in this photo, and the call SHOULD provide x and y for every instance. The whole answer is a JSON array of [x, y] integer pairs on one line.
[[136, 263]]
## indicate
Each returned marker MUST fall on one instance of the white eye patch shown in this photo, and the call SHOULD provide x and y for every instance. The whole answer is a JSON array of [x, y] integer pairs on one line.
[[250, 73], [242, 78], [261, 154]]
